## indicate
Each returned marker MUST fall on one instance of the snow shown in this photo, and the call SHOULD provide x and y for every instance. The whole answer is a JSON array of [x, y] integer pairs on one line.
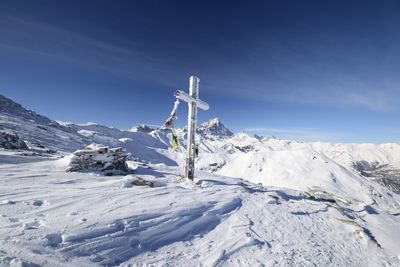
[[50, 217], [86, 133], [255, 201], [64, 123]]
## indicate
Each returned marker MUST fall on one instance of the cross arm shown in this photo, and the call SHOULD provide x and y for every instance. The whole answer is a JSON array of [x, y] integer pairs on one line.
[[187, 98]]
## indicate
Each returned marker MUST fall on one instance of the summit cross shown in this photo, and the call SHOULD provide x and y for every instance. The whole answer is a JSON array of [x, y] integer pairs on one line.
[[193, 103]]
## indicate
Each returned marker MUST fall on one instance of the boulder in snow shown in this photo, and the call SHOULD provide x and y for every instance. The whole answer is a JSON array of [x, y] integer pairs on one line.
[[137, 181], [11, 140], [99, 158]]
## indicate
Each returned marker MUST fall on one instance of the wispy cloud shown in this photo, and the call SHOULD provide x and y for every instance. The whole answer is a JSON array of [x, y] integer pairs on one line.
[[305, 74], [379, 101], [275, 72], [83, 51]]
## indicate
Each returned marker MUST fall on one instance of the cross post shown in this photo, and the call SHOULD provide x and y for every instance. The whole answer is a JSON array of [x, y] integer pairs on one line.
[[193, 103]]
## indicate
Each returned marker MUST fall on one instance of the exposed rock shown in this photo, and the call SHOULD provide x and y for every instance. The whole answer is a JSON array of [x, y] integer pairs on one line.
[[141, 182], [216, 166], [143, 128], [10, 107], [99, 158], [383, 174], [215, 128], [229, 148], [245, 149], [11, 140]]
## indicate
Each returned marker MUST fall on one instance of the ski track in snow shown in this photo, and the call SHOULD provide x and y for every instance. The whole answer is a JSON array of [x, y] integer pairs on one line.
[[52, 218]]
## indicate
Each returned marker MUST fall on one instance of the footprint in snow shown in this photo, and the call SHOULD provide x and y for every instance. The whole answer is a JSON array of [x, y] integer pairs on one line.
[[8, 202], [33, 225], [18, 262], [13, 220], [36, 202], [53, 240]]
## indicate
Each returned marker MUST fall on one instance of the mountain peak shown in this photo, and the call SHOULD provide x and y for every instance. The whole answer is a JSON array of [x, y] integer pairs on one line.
[[214, 127], [10, 107], [142, 128], [211, 122], [7, 104]]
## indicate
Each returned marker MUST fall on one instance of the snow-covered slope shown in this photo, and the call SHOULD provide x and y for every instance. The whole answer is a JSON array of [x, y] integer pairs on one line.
[[41, 132], [270, 161], [255, 200], [36, 129], [53, 218], [296, 165]]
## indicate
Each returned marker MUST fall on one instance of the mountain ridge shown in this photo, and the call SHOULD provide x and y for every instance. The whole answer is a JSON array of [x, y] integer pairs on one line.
[[221, 151]]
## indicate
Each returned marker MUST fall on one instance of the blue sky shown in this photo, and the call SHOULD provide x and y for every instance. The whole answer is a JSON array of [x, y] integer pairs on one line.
[[307, 70]]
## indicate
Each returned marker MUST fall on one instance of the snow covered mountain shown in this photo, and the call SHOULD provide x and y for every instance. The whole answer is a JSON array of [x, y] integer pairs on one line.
[[214, 128], [256, 200], [36, 129]]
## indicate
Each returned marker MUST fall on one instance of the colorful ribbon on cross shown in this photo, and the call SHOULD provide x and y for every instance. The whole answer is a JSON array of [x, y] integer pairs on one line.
[[169, 123]]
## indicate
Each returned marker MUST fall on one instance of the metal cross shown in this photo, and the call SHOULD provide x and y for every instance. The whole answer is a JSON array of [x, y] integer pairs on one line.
[[193, 102]]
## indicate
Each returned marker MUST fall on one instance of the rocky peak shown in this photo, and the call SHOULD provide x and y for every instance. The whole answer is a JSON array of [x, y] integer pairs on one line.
[[8, 104], [214, 127], [10, 107], [143, 128]]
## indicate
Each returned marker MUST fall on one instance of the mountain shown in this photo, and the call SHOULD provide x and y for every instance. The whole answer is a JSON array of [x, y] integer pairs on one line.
[[14, 109], [214, 127], [254, 200], [266, 159], [142, 128], [37, 130]]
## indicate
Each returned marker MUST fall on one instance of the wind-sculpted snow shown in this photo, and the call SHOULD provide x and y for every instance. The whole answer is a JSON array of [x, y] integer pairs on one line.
[[53, 218], [131, 236]]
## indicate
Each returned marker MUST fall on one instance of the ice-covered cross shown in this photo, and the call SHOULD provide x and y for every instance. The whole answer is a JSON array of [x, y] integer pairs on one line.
[[194, 102]]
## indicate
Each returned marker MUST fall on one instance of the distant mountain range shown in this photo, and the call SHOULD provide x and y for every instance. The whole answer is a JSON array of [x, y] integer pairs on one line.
[[266, 160]]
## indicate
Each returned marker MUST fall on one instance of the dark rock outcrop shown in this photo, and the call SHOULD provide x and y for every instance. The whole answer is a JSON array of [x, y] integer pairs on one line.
[[10, 140], [99, 158]]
